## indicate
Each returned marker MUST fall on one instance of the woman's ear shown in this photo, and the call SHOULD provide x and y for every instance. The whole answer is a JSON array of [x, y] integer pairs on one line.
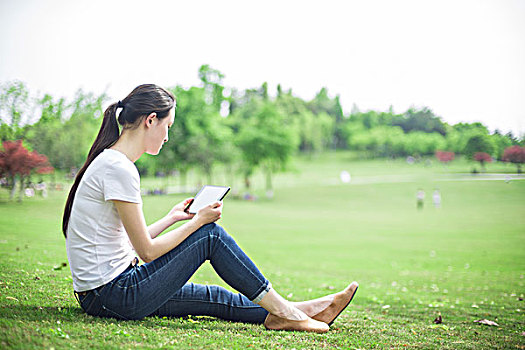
[[149, 119]]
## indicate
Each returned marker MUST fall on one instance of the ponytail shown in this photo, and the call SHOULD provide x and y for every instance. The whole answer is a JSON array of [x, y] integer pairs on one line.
[[142, 101], [107, 136]]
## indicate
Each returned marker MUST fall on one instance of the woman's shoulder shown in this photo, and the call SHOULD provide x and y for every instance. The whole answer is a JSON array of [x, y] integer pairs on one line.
[[115, 161]]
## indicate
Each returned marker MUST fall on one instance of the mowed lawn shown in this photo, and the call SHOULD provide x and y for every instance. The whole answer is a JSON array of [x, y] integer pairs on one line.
[[464, 261]]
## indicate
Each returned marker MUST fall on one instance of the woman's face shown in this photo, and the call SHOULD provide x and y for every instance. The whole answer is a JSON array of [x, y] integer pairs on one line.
[[157, 133]]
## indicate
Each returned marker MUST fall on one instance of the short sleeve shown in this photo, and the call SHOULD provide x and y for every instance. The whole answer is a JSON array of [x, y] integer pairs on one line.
[[122, 182]]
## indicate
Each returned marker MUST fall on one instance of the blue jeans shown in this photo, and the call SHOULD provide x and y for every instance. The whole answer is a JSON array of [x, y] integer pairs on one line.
[[160, 288]]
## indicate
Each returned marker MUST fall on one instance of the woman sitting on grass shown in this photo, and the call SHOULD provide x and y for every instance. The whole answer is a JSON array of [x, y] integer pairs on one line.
[[105, 228]]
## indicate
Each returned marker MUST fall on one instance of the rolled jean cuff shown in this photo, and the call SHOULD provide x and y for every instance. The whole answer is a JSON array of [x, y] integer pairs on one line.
[[265, 289]]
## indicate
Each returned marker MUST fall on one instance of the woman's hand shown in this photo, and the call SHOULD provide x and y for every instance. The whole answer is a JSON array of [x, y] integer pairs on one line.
[[209, 214], [177, 213]]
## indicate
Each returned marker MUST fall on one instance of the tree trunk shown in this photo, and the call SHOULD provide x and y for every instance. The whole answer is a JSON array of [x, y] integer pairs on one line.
[[21, 192], [13, 188], [269, 187], [247, 182], [230, 176], [183, 180], [209, 177]]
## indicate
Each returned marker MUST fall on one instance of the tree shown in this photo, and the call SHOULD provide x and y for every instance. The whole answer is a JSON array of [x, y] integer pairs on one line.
[[6, 132], [322, 103], [444, 156], [14, 107], [423, 143], [482, 158], [478, 143], [47, 131], [351, 129], [500, 142], [516, 155], [199, 136], [315, 131], [76, 135], [382, 141], [476, 127], [265, 142], [420, 120], [212, 82], [17, 161]]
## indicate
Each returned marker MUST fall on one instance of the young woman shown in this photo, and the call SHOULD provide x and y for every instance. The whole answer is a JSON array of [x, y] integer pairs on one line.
[[105, 229]]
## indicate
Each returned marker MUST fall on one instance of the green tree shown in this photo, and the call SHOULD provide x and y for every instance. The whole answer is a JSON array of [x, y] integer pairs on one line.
[[43, 134], [459, 134], [265, 142], [15, 107], [199, 136], [478, 143], [350, 130], [420, 120], [322, 103], [472, 128], [500, 142], [212, 82], [422, 143], [315, 131], [82, 120]]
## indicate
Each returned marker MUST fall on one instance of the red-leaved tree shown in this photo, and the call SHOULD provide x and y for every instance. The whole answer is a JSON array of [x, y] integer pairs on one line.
[[482, 158], [516, 155], [17, 162], [444, 156]]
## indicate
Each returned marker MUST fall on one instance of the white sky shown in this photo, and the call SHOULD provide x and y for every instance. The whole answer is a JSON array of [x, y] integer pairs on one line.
[[465, 59]]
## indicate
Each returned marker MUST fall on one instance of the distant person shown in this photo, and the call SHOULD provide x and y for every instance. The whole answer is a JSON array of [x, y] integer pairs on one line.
[[345, 176], [436, 198], [29, 192], [42, 187], [104, 226], [420, 198]]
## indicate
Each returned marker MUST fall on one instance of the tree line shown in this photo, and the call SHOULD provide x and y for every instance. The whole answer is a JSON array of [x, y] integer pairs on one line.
[[245, 130]]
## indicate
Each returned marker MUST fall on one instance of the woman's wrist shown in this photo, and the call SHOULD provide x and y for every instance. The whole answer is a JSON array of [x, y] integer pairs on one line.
[[170, 219], [196, 220]]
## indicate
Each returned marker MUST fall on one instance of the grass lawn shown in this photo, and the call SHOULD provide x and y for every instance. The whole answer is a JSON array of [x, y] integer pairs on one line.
[[464, 261]]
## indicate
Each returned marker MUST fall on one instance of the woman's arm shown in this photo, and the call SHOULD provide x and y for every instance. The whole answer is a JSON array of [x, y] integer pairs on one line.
[[149, 248], [175, 215]]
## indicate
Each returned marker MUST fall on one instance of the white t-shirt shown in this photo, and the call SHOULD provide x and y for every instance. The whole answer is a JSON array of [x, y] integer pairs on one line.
[[98, 247]]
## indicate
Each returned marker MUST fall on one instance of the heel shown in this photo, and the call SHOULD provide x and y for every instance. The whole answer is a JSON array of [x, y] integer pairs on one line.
[[276, 323]]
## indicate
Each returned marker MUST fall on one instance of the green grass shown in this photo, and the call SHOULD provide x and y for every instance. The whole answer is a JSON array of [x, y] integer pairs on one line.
[[465, 261]]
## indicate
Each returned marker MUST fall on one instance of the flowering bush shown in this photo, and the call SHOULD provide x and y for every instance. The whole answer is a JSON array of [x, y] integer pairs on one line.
[[516, 155], [444, 156], [16, 160], [482, 157]]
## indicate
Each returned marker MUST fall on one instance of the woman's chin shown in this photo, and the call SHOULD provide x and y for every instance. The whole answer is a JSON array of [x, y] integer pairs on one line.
[[153, 153]]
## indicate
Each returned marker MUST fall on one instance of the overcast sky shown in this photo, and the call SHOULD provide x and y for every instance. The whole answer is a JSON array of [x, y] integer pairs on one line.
[[464, 59]]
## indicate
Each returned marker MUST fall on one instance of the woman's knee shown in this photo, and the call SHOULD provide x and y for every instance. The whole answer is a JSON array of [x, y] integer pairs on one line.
[[214, 230]]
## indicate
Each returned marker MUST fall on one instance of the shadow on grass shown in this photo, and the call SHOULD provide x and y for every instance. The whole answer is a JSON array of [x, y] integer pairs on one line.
[[39, 313], [73, 314]]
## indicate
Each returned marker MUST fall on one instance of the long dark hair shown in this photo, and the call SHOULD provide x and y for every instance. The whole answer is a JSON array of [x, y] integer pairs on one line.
[[141, 102]]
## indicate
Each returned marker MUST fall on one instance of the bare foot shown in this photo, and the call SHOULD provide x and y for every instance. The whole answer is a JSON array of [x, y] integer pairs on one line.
[[327, 308], [282, 324]]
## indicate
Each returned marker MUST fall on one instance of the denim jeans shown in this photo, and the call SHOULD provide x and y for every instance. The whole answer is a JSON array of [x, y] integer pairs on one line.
[[160, 288]]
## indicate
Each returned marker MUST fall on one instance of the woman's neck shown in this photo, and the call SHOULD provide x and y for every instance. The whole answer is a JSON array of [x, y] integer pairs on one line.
[[128, 145]]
